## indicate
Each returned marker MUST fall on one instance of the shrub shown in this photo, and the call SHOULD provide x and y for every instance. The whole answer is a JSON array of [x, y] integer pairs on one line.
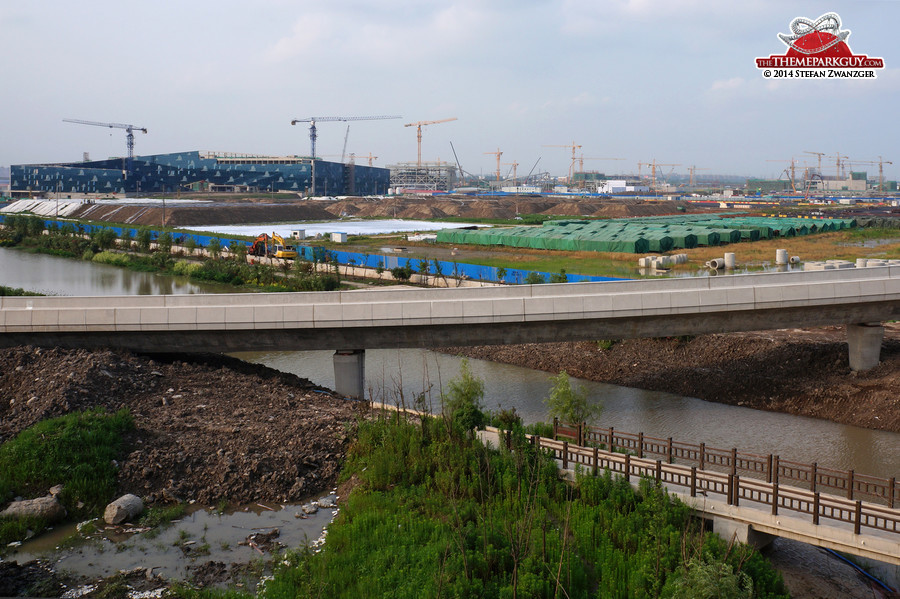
[[568, 404], [463, 400], [534, 278]]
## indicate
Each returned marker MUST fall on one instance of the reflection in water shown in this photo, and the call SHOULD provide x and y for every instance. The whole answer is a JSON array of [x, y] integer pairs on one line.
[[391, 374], [64, 276]]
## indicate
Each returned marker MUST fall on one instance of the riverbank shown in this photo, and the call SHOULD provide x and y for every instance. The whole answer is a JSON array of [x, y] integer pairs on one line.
[[795, 371]]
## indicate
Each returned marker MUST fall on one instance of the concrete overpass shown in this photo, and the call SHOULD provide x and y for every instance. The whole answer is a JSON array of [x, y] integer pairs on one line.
[[352, 321]]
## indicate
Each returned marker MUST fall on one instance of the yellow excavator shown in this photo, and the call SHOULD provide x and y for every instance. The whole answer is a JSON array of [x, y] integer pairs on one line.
[[274, 247]]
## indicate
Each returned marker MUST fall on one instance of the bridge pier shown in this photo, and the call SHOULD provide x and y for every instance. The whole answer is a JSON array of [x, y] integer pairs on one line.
[[350, 373], [864, 345], [741, 531]]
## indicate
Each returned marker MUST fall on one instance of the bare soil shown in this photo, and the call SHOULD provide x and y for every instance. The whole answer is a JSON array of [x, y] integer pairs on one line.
[[240, 210], [795, 371], [208, 428]]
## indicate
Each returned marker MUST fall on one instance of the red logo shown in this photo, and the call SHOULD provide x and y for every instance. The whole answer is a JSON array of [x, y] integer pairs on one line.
[[818, 49]]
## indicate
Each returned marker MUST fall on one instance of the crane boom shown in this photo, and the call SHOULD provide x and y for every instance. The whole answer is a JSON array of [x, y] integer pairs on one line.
[[129, 138], [419, 126], [313, 135]]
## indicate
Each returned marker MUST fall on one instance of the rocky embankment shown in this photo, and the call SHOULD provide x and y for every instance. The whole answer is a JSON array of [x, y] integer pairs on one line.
[[210, 429], [796, 371]]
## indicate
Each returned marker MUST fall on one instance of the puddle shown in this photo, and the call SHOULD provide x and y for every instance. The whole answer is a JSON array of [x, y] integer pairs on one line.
[[174, 550], [871, 243]]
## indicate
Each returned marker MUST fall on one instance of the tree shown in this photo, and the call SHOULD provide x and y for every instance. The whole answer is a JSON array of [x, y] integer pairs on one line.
[[534, 278], [214, 247], [568, 404], [463, 400], [144, 237], [126, 239], [238, 251], [190, 244], [379, 269], [402, 273], [501, 274], [164, 242], [560, 277]]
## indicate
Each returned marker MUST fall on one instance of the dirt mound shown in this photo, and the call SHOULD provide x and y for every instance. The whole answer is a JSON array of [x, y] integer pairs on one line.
[[212, 428], [796, 372]]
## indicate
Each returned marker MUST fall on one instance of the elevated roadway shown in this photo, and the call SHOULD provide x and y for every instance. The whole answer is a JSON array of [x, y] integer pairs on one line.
[[352, 321]]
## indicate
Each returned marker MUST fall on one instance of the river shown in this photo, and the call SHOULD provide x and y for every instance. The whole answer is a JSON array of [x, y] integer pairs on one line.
[[393, 374]]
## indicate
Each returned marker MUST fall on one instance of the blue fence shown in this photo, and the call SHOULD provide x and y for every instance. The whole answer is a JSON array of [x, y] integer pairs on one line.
[[477, 272]]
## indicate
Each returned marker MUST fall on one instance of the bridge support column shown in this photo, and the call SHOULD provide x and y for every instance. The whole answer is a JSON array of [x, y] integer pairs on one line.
[[864, 345], [741, 531], [350, 373]]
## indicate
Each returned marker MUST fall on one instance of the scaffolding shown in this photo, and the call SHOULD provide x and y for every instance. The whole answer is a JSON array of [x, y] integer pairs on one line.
[[436, 176]]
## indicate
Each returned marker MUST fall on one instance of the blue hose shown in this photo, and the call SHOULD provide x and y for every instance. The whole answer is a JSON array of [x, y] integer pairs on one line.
[[866, 574]]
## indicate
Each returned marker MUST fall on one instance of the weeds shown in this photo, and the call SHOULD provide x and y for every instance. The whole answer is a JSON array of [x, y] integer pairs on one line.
[[76, 450]]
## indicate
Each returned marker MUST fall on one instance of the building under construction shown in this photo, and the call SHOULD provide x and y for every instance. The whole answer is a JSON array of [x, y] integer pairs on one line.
[[196, 171], [413, 177]]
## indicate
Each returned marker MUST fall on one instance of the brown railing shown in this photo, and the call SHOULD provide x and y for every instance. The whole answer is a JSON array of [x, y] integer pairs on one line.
[[770, 468], [732, 486]]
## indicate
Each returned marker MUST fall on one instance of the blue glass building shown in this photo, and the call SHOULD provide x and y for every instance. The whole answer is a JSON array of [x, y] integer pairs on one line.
[[168, 173]]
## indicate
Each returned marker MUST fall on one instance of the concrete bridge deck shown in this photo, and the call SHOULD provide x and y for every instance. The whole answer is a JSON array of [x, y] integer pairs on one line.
[[389, 318]]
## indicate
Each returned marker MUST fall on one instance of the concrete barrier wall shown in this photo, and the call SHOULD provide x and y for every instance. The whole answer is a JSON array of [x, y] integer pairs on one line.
[[448, 307]]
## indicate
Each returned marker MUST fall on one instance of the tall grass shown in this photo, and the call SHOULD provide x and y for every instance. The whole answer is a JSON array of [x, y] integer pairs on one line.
[[76, 450], [436, 514]]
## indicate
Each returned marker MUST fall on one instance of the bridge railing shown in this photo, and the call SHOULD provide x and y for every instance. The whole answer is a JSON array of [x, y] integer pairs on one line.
[[770, 468], [735, 489]]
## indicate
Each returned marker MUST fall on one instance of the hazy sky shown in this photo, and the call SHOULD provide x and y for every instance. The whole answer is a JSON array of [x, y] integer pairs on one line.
[[670, 80]]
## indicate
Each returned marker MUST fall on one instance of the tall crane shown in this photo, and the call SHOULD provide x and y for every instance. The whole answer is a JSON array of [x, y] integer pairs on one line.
[[819, 154], [313, 135], [691, 170], [129, 130], [574, 147], [582, 158], [880, 162], [837, 164], [793, 173], [316, 119], [653, 166], [498, 154], [370, 157], [514, 166], [418, 125]]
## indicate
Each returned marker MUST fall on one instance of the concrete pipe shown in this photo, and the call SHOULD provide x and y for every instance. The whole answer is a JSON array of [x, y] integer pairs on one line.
[[717, 263], [729, 260], [795, 260], [781, 257], [861, 262]]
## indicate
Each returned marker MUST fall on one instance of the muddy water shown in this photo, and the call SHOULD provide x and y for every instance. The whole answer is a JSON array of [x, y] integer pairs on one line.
[[65, 276], [174, 551], [392, 374]]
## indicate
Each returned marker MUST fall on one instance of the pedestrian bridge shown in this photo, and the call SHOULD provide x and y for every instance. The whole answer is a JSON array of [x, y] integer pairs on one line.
[[352, 321], [748, 497]]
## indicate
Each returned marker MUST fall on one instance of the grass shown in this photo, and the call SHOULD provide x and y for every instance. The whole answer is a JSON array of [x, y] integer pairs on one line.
[[155, 516], [438, 514], [76, 450]]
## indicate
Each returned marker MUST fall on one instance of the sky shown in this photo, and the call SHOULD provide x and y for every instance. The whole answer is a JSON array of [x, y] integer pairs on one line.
[[673, 81]]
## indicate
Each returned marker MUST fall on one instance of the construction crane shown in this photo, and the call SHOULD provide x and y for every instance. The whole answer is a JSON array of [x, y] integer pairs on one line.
[[370, 157], [653, 166], [322, 119], [514, 166], [793, 172], [498, 154], [418, 125], [837, 165], [313, 135], [880, 162], [819, 154], [691, 170], [574, 147], [129, 130], [582, 158]]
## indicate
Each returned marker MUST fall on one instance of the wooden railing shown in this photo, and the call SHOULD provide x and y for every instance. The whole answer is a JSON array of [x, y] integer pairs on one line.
[[731, 485], [770, 468]]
